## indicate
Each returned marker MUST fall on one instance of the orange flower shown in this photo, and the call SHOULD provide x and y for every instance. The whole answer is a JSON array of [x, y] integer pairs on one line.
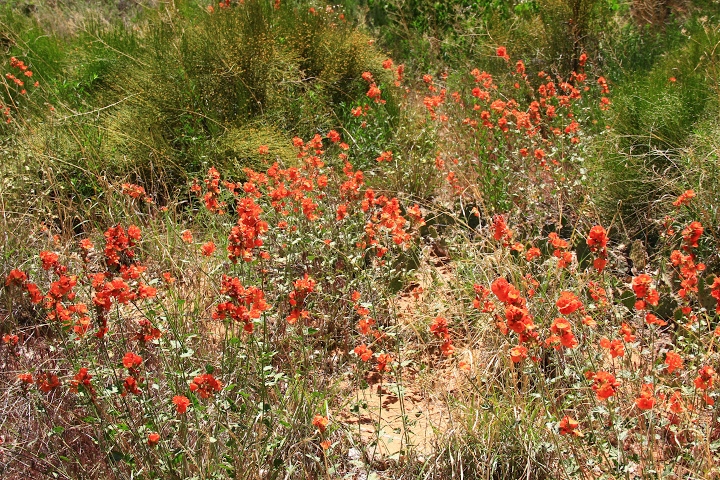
[[684, 198], [715, 292], [501, 230], [532, 253], [181, 402], [562, 328], [597, 241], [651, 319], [626, 333], [133, 191], [675, 402], [597, 238], [518, 353], [382, 362], [506, 293], [134, 232], [303, 287], [49, 259], [47, 382], [447, 348], [673, 361], [641, 285], [130, 384], [205, 385], [691, 234], [146, 291], [589, 321], [363, 352], [132, 361], [320, 422], [568, 303], [385, 157], [263, 150], [599, 264], [82, 379], [333, 136], [569, 426], [16, 277], [208, 248], [187, 236], [646, 401], [604, 385], [705, 378], [153, 439], [502, 52], [439, 327], [616, 347]]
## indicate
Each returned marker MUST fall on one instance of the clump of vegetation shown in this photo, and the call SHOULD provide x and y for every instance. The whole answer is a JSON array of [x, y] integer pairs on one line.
[[240, 242], [179, 94]]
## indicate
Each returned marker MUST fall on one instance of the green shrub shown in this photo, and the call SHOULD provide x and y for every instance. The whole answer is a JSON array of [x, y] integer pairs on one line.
[[162, 103], [655, 116]]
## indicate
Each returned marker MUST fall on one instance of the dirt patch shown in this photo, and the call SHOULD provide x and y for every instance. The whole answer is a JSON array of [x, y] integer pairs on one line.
[[392, 419]]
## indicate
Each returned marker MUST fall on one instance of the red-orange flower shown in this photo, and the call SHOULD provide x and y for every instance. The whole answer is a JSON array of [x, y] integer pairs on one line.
[[507, 293], [130, 384], [518, 353], [675, 402], [604, 385], [501, 230], [132, 361], [646, 401], [684, 198], [569, 426], [16, 277], [627, 333], [363, 352], [439, 327], [181, 402], [715, 292], [302, 288], [616, 347], [382, 362], [153, 439], [532, 253], [47, 382], [691, 234], [49, 259], [673, 361], [568, 303], [208, 248], [562, 329], [597, 238], [705, 378], [82, 379], [320, 422], [502, 52], [651, 319], [205, 385]]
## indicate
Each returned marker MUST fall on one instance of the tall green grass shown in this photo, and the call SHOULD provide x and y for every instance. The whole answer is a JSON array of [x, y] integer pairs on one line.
[[656, 116], [182, 89]]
